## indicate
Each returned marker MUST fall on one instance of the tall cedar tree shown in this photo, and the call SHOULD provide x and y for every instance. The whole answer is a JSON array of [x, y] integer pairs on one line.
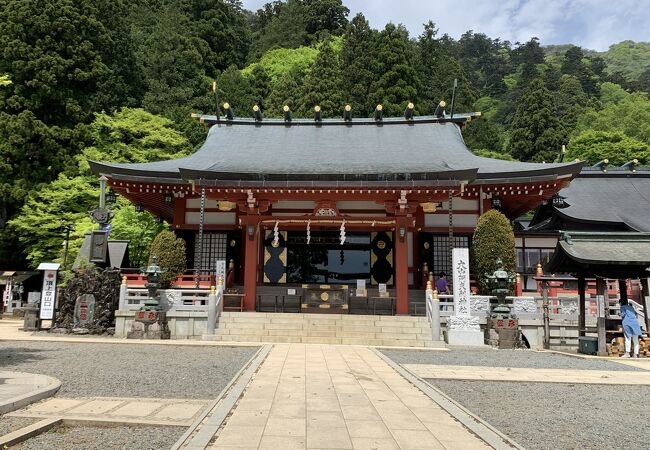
[[237, 91], [223, 26], [570, 102], [396, 81], [261, 85], [53, 52], [358, 59], [438, 70], [536, 133], [286, 91], [323, 84], [574, 63]]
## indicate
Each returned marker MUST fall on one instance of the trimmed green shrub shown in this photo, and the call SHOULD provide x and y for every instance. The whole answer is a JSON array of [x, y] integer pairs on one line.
[[493, 239], [170, 251]]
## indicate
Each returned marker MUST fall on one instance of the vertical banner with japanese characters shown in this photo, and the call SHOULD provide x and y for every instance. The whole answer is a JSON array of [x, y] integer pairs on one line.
[[460, 261], [48, 295]]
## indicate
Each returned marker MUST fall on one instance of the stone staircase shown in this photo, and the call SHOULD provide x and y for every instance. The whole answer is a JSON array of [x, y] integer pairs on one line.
[[401, 331]]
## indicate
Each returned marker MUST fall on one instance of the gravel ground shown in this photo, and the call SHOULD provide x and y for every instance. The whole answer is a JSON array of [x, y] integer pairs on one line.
[[9, 424], [101, 438], [558, 416], [503, 358], [122, 370]]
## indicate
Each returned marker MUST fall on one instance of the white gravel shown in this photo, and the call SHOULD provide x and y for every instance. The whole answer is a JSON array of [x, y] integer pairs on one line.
[[558, 416], [502, 358], [10, 424], [124, 370], [104, 438]]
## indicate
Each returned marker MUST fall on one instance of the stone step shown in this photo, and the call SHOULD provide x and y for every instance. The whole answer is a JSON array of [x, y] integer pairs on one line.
[[327, 340]]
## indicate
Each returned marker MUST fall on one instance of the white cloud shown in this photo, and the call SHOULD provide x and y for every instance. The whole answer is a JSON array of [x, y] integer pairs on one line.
[[594, 24]]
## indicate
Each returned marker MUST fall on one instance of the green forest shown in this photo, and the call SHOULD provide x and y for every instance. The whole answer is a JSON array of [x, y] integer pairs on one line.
[[118, 80]]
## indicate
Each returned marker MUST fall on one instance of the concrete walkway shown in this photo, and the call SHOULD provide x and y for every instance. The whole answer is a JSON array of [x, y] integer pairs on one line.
[[337, 397], [143, 411], [484, 373], [19, 389]]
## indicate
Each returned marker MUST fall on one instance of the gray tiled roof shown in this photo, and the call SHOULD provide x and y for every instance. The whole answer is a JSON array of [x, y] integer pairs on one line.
[[622, 198], [606, 254], [393, 151]]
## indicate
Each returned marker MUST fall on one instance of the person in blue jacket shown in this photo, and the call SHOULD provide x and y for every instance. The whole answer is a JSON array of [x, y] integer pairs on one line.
[[631, 328]]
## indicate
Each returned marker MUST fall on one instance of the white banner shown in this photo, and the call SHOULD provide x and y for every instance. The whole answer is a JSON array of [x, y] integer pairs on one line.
[[221, 270], [8, 293], [460, 261], [48, 297]]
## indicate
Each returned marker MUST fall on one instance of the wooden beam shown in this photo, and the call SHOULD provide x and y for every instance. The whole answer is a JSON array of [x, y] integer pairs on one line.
[[581, 305]]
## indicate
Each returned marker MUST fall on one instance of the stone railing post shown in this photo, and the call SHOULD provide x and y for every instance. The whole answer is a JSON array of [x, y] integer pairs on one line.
[[433, 311], [212, 310], [124, 290]]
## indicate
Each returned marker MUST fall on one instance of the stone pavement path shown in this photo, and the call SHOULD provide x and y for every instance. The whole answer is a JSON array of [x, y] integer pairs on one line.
[[337, 397], [18, 389], [483, 373], [143, 411]]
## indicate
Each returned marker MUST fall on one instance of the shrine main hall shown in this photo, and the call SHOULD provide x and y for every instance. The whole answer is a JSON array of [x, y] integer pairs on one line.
[[332, 204]]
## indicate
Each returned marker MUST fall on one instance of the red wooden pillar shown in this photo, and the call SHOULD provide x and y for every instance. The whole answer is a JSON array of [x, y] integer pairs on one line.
[[401, 267], [251, 250]]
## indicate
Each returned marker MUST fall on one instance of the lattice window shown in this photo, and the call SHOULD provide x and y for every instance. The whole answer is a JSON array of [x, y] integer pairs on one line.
[[442, 252], [214, 248]]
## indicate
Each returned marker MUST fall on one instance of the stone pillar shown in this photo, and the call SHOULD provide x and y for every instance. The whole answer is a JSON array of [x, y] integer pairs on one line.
[[252, 250], [401, 269], [645, 297], [124, 291], [462, 328], [582, 286], [212, 311], [602, 313], [435, 311]]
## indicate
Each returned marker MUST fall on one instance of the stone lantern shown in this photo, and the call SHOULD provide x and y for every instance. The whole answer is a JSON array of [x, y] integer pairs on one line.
[[150, 321], [503, 327]]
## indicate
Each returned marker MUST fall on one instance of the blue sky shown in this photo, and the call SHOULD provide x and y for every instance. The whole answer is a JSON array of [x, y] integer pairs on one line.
[[592, 24]]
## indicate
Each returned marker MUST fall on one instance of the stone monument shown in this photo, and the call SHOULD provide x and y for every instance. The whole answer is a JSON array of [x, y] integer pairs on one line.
[[462, 328], [151, 321], [84, 311]]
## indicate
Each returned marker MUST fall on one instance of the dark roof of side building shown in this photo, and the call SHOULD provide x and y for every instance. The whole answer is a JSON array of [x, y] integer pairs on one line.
[[394, 150], [611, 255], [605, 201]]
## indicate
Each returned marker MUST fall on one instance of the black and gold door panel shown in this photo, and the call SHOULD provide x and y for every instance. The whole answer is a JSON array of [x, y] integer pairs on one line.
[[381, 258], [275, 257]]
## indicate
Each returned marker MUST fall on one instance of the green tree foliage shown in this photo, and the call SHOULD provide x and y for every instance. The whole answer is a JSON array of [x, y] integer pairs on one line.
[[286, 91], [483, 134], [131, 135], [39, 226], [615, 146], [574, 64], [396, 80], [235, 89], [139, 228], [628, 58], [294, 23], [323, 84], [620, 111], [170, 251], [493, 239], [570, 102], [260, 84], [222, 25], [358, 60], [438, 69], [486, 61], [280, 62], [537, 134], [492, 154], [4, 80]]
